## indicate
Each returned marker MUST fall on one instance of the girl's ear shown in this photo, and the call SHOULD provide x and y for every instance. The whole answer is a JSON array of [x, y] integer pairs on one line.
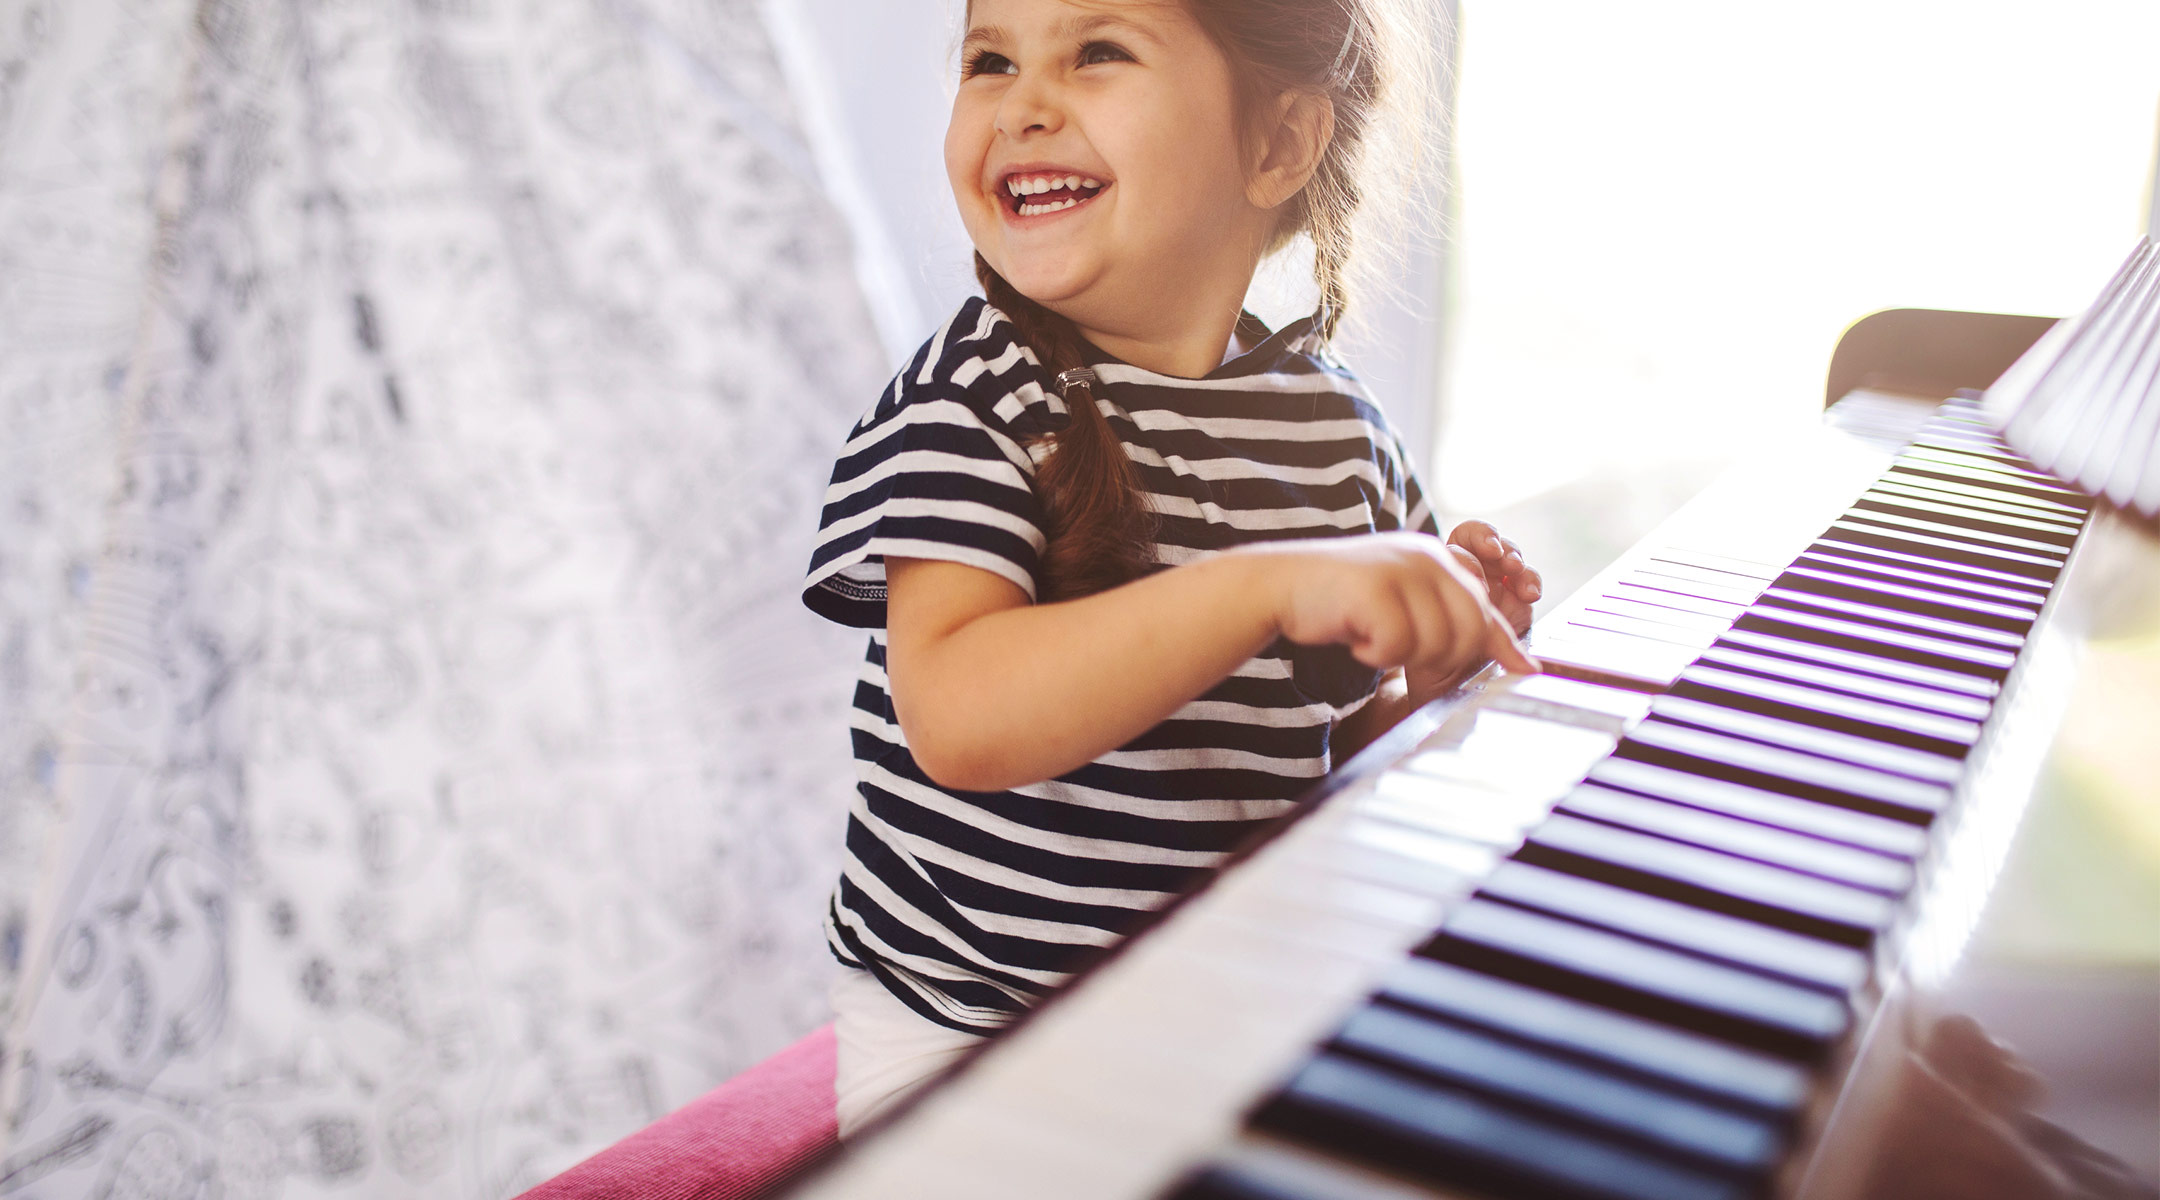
[[1290, 148]]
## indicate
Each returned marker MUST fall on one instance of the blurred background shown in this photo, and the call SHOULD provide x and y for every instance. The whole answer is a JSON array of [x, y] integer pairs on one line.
[[416, 770]]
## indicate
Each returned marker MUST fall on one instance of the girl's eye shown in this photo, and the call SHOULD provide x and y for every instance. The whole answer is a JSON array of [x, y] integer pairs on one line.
[[983, 62], [1102, 52]]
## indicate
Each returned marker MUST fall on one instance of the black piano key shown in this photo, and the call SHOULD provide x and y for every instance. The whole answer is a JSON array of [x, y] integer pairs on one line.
[[1897, 618], [1778, 770], [2060, 509], [2061, 516], [1454, 1137], [1994, 473], [1894, 839], [1906, 541], [1839, 710], [1571, 1091], [1748, 839], [1917, 592], [2046, 526], [1955, 684], [1966, 709], [1218, 1181], [1813, 738], [1819, 580], [1933, 572], [1629, 976], [1673, 1056], [2042, 536], [2015, 549], [1685, 927], [1956, 637], [1815, 628], [1709, 879], [1946, 473]]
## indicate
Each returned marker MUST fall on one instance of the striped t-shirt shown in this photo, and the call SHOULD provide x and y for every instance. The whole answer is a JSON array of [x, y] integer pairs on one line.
[[970, 905]]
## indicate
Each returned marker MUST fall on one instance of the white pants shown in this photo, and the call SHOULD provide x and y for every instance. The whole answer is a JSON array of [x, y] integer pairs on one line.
[[886, 1049]]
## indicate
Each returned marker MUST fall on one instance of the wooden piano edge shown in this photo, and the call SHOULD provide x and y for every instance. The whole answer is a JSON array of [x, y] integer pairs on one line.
[[1893, 1008]]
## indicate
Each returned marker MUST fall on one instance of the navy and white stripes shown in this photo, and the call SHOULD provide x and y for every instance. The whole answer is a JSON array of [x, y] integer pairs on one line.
[[971, 905]]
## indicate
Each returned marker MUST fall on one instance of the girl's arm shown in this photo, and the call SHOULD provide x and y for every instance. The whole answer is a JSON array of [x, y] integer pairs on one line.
[[993, 692]]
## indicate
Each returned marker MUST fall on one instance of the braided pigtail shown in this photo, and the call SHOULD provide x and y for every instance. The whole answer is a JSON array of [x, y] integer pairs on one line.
[[1101, 529]]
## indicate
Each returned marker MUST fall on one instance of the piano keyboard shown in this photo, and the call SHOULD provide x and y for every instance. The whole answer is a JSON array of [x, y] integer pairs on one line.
[[1597, 933]]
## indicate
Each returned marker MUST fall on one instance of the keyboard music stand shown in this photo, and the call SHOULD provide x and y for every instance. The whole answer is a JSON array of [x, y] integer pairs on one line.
[[1928, 352]]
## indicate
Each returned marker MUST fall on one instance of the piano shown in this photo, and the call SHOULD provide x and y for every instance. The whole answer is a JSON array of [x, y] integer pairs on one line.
[[1643, 927]]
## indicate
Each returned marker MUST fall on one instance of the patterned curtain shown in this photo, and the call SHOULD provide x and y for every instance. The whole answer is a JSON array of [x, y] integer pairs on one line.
[[416, 770]]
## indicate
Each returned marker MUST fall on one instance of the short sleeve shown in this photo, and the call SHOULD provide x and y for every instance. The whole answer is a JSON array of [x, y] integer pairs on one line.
[[935, 471], [1403, 504]]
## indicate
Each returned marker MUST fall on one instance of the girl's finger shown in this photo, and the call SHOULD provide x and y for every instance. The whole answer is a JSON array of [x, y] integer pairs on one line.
[[1465, 556], [1511, 559], [1500, 643], [1428, 614], [1478, 538], [1469, 612], [1528, 585], [1513, 610], [1389, 638]]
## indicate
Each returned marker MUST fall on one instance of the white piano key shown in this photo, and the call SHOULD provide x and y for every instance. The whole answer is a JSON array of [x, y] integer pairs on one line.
[[1489, 825], [1599, 655], [1445, 853], [1628, 706], [1702, 627], [1725, 611], [1690, 641], [1510, 752], [1437, 796], [1386, 868], [1664, 576]]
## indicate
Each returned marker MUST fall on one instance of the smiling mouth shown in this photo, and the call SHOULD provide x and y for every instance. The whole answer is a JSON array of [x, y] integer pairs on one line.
[[1033, 194]]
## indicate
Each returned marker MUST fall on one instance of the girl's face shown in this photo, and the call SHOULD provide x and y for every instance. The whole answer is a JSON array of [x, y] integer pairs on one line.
[[1094, 154]]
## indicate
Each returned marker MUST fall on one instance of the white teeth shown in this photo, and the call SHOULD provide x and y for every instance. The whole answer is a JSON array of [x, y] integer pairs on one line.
[[1039, 184], [1029, 210]]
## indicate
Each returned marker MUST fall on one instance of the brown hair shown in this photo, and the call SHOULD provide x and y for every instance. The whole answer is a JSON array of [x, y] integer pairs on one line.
[[1363, 56]]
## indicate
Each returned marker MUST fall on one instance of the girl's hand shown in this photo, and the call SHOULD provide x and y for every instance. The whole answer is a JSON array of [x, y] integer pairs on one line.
[[1509, 584], [1394, 599]]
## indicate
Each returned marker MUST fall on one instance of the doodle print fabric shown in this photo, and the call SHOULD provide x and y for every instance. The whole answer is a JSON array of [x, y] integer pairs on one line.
[[415, 769]]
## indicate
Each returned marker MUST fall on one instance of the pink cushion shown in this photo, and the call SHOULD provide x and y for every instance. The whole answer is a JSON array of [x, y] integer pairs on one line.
[[739, 1140]]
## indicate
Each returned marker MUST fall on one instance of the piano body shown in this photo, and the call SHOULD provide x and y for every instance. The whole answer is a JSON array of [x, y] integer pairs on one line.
[[1649, 925]]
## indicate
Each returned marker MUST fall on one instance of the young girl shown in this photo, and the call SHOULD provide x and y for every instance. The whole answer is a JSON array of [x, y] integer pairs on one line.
[[1136, 569]]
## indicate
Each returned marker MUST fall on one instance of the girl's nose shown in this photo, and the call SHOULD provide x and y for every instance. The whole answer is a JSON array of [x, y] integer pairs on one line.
[[1029, 106]]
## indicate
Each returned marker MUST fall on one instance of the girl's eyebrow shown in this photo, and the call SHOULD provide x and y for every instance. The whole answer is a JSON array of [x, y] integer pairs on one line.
[[1074, 28]]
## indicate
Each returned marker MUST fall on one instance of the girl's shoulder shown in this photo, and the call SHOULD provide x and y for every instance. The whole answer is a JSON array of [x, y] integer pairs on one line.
[[975, 360]]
